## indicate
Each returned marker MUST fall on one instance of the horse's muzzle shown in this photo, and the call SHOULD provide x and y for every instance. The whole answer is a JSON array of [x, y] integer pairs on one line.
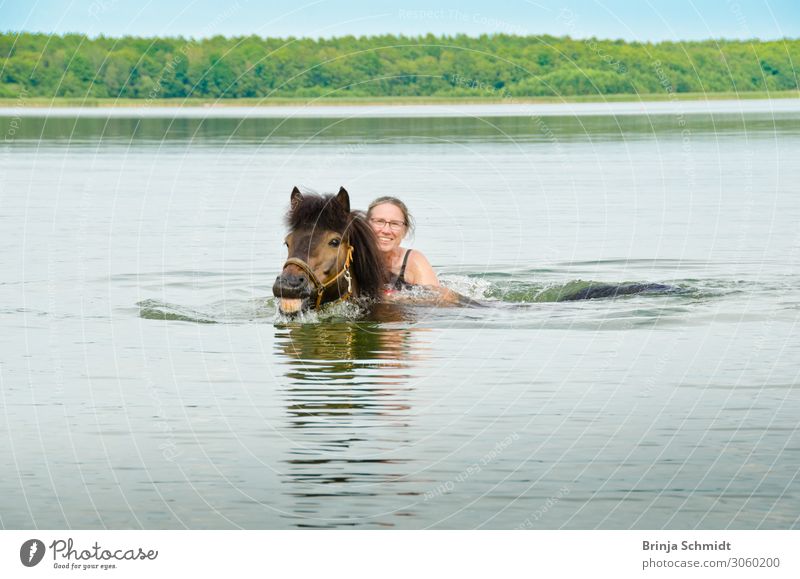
[[293, 293]]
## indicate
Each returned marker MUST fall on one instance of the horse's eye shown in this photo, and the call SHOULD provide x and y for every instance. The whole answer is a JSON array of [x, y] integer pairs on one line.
[[335, 242]]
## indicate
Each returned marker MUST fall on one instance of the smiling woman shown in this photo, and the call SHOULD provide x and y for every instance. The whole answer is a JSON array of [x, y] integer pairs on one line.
[[391, 221]]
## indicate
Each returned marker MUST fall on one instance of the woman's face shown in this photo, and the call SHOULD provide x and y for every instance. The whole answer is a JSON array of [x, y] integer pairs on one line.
[[387, 222]]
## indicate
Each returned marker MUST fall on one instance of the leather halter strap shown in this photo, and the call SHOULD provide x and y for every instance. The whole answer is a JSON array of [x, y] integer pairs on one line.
[[320, 287]]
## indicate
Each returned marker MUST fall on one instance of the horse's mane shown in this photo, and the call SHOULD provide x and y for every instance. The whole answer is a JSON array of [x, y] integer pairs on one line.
[[325, 212]]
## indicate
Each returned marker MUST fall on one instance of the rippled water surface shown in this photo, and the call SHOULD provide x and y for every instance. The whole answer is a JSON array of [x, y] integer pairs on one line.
[[147, 382]]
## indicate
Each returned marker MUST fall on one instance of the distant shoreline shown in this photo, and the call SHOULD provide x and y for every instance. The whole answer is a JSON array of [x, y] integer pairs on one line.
[[58, 102], [415, 109]]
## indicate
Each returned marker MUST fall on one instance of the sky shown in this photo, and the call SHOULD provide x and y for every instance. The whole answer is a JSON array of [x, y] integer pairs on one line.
[[640, 20]]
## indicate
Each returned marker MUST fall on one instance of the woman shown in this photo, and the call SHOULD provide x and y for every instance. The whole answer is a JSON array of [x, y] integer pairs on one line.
[[391, 222]]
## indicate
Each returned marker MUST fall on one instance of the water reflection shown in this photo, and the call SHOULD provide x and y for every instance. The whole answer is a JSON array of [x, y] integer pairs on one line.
[[566, 127], [348, 400]]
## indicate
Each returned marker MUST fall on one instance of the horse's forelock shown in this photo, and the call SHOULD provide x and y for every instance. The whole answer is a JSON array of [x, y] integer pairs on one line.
[[320, 211]]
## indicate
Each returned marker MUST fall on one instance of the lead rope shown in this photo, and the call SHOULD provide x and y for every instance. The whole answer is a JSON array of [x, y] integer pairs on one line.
[[349, 281]]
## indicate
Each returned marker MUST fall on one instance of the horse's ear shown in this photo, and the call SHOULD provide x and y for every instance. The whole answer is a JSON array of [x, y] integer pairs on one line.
[[296, 198], [344, 199]]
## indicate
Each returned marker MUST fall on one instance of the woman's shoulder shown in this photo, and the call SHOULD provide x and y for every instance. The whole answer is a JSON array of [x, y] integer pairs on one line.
[[419, 269], [415, 259], [415, 255]]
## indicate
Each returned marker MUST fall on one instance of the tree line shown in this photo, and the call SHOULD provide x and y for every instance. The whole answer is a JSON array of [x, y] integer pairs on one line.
[[74, 65]]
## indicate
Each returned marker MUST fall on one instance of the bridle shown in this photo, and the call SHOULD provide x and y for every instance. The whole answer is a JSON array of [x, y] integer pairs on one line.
[[320, 287]]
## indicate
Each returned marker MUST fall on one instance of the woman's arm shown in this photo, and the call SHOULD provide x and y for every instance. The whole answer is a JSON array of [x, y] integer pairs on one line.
[[420, 272]]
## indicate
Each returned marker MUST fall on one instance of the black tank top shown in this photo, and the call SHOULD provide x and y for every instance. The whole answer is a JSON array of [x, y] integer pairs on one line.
[[400, 281]]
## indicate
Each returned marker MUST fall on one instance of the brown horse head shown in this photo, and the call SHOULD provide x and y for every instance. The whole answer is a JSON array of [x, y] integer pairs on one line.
[[332, 254]]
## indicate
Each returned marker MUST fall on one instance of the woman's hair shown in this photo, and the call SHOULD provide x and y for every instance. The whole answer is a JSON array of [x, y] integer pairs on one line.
[[409, 220]]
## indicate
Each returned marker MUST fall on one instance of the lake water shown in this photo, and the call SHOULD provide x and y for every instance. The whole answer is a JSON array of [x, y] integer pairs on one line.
[[146, 380]]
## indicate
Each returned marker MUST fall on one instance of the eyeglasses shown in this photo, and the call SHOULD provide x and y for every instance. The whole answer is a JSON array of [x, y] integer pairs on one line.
[[381, 223]]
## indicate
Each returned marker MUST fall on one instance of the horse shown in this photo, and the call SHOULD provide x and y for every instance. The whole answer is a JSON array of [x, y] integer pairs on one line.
[[332, 254]]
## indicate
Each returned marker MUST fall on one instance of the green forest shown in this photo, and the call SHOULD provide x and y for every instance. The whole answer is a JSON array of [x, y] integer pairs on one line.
[[495, 66]]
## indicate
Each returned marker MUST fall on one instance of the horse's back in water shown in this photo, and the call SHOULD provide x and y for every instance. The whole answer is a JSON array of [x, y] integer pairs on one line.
[[596, 291]]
